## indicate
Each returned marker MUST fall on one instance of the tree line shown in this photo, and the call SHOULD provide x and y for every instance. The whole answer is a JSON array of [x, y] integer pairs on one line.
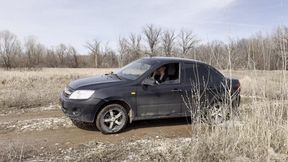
[[263, 52]]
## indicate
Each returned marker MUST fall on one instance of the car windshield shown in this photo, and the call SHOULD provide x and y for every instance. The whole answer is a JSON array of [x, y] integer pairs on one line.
[[133, 70]]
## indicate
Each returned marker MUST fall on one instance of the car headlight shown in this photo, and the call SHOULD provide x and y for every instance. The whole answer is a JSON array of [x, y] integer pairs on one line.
[[81, 94]]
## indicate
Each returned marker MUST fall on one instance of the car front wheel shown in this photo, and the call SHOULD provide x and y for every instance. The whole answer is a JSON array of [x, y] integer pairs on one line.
[[112, 119]]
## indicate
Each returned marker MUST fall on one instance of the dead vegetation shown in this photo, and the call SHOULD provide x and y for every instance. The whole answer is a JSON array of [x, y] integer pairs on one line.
[[26, 88], [260, 134], [260, 51], [268, 85]]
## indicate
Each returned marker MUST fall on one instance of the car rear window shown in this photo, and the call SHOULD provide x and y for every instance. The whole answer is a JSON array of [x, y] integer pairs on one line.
[[197, 73]]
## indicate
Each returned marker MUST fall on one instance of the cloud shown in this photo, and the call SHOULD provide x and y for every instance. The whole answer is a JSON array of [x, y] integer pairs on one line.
[[74, 22]]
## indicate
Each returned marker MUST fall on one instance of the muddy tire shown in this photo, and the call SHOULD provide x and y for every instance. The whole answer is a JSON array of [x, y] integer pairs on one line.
[[234, 112], [112, 119], [217, 113]]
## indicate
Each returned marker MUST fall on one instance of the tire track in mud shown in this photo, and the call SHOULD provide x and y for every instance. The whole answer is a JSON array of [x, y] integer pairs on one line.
[[39, 124], [34, 119], [50, 124], [64, 138], [46, 134], [31, 115], [45, 119]]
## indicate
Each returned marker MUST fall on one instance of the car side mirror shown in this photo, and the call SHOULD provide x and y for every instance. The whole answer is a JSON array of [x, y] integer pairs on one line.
[[150, 82]]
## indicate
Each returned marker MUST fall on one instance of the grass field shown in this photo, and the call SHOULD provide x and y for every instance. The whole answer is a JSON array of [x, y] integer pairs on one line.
[[259, 134], [24, 89]]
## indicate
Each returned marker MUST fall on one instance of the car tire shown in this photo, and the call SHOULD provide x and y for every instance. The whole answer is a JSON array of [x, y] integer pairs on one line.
[[112, 119], [236, 102], [235, 113], [217, 113]]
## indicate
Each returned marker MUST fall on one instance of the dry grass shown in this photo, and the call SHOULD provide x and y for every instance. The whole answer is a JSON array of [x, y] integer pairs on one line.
[[261, 132], [264, 84], [22, 88], [259, 135]]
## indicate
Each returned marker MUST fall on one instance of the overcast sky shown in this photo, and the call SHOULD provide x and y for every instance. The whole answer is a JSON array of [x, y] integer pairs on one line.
[[74, 22]]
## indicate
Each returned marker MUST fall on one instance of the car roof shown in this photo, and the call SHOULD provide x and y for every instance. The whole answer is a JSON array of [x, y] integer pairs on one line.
[[164, 59]]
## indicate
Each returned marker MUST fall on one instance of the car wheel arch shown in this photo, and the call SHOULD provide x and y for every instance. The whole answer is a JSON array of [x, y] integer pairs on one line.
[[120, 102]]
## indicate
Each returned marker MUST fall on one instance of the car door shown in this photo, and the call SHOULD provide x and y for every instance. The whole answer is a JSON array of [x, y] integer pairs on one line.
[[201, 85], [216, 85], [193, 88], [160, 100]]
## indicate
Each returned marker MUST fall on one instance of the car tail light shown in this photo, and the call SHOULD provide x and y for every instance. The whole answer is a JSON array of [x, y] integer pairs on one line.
[[238, 86]]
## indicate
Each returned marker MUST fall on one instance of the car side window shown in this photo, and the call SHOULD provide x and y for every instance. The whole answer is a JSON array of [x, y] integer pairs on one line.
[[167, 74], [196, 73], [215, 76]]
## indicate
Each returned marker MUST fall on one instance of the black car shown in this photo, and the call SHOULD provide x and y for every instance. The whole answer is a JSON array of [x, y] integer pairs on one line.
[[148, 88]]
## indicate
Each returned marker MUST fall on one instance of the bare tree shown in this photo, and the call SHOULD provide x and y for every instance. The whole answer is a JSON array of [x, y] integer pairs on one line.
[[168, 38], [41, 51], [135, 46], [187, 42], [268, 52], [72, 52], [61, 52], [130, 49], [94, 48], [152, 35], [50, 58], [123, 50], [281, 46], [217, 53], [135, 42], [30, 51], [109, 58], [33, 52], [9, 48]]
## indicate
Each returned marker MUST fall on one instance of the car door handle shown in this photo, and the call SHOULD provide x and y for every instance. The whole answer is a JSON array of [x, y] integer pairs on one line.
[[176, 90]]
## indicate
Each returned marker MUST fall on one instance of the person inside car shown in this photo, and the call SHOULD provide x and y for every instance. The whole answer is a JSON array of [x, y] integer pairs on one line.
[[160, 74]]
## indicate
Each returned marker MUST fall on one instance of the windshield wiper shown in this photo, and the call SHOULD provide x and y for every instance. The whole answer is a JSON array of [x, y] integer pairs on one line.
[[117, 76], [114, 75]]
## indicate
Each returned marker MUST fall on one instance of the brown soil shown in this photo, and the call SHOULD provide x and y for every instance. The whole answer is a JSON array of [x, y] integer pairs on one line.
[[57, 136]]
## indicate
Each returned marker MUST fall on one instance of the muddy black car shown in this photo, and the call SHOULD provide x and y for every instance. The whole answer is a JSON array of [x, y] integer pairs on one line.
[[149, 88]]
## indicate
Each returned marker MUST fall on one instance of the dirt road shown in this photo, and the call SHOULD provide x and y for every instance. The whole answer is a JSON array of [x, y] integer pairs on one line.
[[47, 128]]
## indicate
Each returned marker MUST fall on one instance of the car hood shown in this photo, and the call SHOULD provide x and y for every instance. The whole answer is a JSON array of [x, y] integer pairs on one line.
[[90, 82]]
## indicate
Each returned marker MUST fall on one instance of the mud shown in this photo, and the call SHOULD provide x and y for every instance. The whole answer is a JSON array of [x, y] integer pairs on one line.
[[45, 133]]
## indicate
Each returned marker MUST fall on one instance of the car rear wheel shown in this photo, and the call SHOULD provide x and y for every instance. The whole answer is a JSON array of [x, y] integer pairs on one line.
[[112, 119], [217, 113], [235, 112]]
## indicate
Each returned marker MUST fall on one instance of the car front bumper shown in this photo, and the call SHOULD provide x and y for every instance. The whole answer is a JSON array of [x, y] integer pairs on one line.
[[81, 110]]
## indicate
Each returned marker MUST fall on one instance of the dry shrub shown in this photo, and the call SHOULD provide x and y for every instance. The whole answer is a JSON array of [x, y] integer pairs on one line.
[[25, 88], [261, 135], [261, 84]]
